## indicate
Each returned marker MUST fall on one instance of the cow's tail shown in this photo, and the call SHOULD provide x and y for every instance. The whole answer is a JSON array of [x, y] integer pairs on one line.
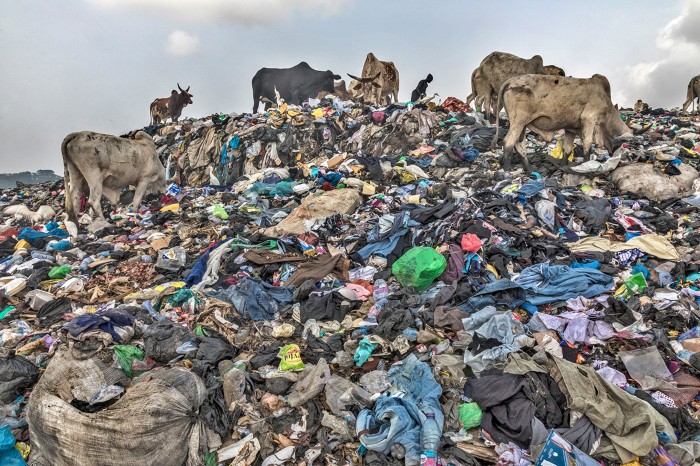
[[501, 91], [153, 112], [472, 96], [70, 211]]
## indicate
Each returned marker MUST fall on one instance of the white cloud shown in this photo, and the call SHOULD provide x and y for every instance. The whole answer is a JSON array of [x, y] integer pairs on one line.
[[663, 83], [231, 11], [181, 44]]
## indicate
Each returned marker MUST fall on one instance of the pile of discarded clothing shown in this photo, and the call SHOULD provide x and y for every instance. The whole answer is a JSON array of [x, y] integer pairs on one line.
[[340, 284]]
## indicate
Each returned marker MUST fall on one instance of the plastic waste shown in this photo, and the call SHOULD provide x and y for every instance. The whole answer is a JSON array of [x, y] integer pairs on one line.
[[125, 355], [470, 415], [431, 433], [290, 358], [186, 347], [59, 272], [381, 290], [419, 267], [172, 259], [9, 455], [375, 381], [363, 352], [106, 393]]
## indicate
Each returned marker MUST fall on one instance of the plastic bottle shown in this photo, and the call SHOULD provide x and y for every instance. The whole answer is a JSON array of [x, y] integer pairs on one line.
[[375, 310], [381, 289], [430, 441]]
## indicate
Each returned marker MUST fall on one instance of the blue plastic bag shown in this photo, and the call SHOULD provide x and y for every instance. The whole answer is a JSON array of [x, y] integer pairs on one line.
[[9, 455]]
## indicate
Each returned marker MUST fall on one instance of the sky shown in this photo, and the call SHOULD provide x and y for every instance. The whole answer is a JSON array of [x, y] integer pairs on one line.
[[75, 65]]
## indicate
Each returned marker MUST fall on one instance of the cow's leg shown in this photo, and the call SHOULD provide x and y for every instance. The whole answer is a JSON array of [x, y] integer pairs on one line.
[[74, 187], [139, 193], [95, 198], [521, 149], [514, 134], [396, 95], [567, 147], [587, 138]]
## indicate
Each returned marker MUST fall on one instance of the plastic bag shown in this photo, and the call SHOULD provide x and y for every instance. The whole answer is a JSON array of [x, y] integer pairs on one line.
[[161, 340], [363, 352], [172, 259], [59, 272], [16, 374], [126, 354], [52, 311], [9, 455], [647, 367], [341, 395], [291, 358], [419, 267], [470, 415]]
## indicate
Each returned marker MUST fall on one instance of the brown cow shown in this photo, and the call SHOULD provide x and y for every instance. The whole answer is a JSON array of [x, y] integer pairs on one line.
[[693, 93], [496, 69], [170, 107], [384, 81], [546, 104]]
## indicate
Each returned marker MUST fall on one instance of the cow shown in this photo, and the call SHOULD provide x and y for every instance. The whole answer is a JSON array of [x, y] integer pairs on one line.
[[384, 81], [546, 104], [170, 107], [339, 90], [481, 94], [294, 84], [693, 93], [641, 106], [101, 165], [552, 70], [494, 70], [358, 86]]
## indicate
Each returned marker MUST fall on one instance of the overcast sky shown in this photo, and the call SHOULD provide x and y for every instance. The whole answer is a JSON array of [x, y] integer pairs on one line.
[[75, 65]]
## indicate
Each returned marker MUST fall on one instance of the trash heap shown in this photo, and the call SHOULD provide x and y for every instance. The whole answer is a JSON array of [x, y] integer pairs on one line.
[[339, 284]]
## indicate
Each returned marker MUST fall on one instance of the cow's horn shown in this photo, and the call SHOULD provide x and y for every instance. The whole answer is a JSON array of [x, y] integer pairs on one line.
[[354, 77], [178, 86]]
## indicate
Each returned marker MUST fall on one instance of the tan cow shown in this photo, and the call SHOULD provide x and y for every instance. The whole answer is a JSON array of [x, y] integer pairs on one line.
[[380, 79], [552, 70], [101, 165], [494, 70], [693, 92], [339, 90], [546, 104]]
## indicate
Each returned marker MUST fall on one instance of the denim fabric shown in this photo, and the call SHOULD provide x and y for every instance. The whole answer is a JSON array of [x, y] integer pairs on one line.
[[256, 299], [384, 243], [546, 284], [399, 413]]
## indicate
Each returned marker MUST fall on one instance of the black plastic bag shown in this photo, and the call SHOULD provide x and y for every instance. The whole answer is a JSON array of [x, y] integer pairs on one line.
[[161, 339], [214, 347], [17, 373], [53, 311]]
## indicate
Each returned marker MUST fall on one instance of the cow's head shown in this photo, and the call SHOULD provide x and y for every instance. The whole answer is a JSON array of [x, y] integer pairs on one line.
[[362, 87], [185, 96]]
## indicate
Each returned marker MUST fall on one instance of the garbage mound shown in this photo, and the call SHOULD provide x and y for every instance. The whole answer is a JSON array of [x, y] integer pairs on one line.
[[341, 284]]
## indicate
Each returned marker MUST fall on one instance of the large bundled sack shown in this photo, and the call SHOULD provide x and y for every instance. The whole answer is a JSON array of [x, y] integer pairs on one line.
[[419, 267], [338, 201], [644, 180], [155, 422]]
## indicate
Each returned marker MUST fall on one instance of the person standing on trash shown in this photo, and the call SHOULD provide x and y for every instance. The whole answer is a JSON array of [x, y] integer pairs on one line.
[[421, 88]]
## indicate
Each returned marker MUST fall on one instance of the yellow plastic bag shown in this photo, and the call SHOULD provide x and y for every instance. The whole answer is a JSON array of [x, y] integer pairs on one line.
[[558, 151]]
